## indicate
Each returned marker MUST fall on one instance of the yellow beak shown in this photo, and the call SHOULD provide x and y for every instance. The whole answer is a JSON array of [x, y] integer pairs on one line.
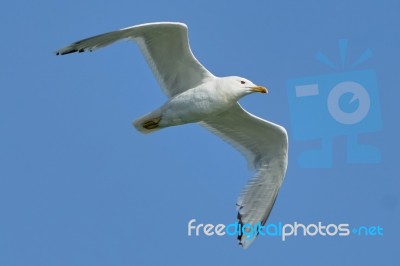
[[259, 89]]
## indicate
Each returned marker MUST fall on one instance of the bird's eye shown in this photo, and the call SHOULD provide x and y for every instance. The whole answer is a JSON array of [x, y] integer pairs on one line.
[[242, 82]]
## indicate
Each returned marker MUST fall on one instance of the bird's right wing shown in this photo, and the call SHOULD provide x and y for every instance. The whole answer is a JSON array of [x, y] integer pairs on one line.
[[265, 146], [165, 46]]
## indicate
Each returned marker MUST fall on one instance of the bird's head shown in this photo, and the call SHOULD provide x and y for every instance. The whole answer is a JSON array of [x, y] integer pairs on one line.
[[241, 86]]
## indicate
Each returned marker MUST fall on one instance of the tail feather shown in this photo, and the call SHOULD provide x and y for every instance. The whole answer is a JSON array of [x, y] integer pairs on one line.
[[148, 123]]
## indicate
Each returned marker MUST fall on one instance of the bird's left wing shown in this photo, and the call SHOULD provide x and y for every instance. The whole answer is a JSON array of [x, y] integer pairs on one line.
[[166, 48], [265, 146]]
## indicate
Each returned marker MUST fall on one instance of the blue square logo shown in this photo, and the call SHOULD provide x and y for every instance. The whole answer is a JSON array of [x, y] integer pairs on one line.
[[326, 106]]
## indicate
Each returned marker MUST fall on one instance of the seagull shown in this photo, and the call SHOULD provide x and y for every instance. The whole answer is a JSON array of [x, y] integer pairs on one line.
[[195, 95]]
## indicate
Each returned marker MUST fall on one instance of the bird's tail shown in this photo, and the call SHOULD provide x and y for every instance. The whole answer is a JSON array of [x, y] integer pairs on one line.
[[148, 123]]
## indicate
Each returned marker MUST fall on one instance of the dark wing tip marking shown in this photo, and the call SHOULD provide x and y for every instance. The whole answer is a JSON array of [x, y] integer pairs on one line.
[[68, 52], [240, 224], [71, 49]]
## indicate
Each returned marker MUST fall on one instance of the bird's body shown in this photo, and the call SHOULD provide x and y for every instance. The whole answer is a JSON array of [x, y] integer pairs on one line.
[[192, 105], [196, 95], [204, 101]]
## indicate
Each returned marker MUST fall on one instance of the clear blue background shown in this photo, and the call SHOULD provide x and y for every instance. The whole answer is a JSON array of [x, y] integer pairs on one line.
[[79, 186]]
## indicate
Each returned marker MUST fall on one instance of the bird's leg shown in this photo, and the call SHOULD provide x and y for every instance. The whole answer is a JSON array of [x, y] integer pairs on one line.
[[152, 123]]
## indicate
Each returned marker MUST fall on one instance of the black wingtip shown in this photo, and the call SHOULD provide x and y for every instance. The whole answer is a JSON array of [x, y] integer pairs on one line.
[[240, 224], [70, 51]]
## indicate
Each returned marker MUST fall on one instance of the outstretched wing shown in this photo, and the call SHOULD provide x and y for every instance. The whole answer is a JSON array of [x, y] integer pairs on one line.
[[166, 49], [265, 146]]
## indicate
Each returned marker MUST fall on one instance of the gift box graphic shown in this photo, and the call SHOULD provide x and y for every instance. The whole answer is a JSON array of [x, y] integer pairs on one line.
[[339, 104]]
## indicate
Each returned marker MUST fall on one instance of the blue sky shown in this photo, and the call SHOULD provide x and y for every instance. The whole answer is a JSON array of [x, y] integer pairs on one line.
[[79, 186]]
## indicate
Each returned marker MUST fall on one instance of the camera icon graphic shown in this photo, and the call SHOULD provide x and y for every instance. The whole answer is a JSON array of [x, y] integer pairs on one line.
[[340, 104]]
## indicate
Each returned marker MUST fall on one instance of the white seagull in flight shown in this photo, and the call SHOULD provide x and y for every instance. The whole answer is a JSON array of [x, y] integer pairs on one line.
[[197, 96]]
